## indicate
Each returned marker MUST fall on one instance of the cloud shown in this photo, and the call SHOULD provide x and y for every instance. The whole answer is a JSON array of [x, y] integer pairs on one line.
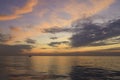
[[63, 13], [55, 16], [15, 29], [57, 30], [30, 41], [114, 50], [27, 8], [22, 33], [56, 44], [92, 32], [43, 12], [109, 41], [13, 49], [4, 38], [9, 17], [53, 38], [18, 12]]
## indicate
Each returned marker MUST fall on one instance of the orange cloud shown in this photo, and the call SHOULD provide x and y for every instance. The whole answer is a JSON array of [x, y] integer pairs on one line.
[[8, 17], [28, 7], [75, 9], [43, 12], [21, 33], [79, 10], [15, 29]]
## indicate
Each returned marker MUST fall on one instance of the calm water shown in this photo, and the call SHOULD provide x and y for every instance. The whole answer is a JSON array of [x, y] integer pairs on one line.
[[39, 65]]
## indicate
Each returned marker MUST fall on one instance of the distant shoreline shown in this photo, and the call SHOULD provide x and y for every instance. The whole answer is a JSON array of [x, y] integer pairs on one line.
[[67, 54]]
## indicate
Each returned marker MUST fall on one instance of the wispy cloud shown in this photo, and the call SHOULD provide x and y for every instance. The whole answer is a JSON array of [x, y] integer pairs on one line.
[[27, 8], [8, 17], [22, 33], [18, 12], [70, 11]]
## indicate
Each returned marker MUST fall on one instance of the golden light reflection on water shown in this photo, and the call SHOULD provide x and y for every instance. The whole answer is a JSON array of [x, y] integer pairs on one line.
[[59, 64], [62, 65], [27, 68]]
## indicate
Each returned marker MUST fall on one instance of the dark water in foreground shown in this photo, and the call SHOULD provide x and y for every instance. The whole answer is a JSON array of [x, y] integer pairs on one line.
[[60, 68]]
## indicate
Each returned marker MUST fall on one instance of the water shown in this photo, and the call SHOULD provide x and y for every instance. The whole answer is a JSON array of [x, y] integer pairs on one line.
[[32, 68]]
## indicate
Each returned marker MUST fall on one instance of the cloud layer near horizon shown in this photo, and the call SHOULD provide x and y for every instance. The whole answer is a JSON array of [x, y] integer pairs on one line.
[[13, 49]]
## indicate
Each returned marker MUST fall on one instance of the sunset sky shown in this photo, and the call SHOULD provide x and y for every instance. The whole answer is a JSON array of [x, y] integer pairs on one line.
[[59, 26]]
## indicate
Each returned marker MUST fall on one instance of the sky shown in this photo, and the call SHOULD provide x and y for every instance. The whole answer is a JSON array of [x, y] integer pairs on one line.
[[59, 26]]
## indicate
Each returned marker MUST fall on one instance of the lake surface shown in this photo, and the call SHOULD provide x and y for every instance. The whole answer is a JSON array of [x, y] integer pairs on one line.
[[31, 68]]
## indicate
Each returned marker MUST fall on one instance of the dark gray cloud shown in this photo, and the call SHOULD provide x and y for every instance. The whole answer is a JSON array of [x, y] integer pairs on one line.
[[30, 41], [13, 49], [76, 27], [55, 44], [91, 32], [57, 30], [53, 38], [4, 37], [85, 32], [60, 30]]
